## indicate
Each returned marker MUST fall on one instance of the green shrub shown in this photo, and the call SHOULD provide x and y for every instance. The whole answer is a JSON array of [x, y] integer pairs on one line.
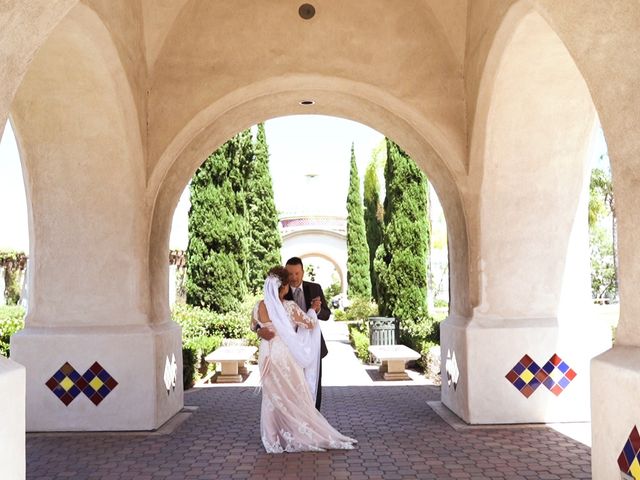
[[439, 303], [203, 332], [360, 342], [189, 357], [361, 309], [198, 322], [332, 290], [339, 315], [11, 321], [198, 349]]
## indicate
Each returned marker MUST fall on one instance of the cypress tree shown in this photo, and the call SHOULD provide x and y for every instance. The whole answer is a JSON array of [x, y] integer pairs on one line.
[[401, 259], [358, 278], [217, 250], [264, 237], [372, 220]]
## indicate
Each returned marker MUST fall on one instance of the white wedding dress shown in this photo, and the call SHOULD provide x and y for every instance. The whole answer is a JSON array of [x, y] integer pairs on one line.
[[289, 421]]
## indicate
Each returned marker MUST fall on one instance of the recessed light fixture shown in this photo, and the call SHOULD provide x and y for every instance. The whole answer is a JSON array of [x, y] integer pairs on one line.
[[307, 102], [307, 11]]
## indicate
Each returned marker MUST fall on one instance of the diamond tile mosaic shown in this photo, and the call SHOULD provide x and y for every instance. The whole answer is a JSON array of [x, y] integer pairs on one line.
[[628, 460], [559, 375], [96, 383], [63, 383], [526, 376]]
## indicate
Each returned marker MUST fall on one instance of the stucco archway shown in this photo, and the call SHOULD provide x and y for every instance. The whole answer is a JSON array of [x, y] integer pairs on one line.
[[334, 99], [528, 169], [432, 92], [332, 246]]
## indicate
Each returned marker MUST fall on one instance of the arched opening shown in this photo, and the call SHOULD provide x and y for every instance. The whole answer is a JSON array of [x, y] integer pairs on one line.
[[208, 139], [14, 236], [529, 164]]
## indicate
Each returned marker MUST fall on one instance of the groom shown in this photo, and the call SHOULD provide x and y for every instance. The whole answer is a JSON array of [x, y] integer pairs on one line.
[[308, 295]]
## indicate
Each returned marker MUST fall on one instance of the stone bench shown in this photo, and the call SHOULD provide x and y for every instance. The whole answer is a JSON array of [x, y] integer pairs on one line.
[[232, 360], [393, 359]]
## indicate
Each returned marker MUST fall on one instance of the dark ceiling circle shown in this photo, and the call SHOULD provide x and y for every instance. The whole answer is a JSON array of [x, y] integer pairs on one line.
[[307, 11]]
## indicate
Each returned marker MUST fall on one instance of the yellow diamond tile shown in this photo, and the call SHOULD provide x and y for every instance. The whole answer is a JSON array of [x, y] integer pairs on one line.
[[526, 376], [66, 383], [96, 383], [634, 469]]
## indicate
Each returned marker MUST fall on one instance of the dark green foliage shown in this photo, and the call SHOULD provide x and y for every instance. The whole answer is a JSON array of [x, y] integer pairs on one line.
[[358, 278], [359, 334], [218, 229], [264, 237], [189, 360], [203, 332], [332, 290], [11, 321], [401, 259], [373, 213]]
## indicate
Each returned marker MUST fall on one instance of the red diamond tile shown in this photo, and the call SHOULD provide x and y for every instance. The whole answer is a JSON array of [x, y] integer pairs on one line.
[[555, 360], [634, 438], [622, 463], [511, 376], [526, 361], [52, 383], [541, 375], [527, 391], [96, 368]]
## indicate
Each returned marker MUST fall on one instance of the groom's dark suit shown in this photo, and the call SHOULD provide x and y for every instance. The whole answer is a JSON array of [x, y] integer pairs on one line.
[[312, 290]]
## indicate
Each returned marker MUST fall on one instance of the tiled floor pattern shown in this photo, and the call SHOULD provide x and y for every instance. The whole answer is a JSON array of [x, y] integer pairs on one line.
[[400, 438]]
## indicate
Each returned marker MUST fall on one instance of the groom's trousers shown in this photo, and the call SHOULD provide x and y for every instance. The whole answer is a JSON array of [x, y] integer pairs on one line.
[[319, 394]]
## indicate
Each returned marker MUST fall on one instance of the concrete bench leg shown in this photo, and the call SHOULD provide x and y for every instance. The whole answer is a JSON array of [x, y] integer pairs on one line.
[[395, 370], [229, 373]]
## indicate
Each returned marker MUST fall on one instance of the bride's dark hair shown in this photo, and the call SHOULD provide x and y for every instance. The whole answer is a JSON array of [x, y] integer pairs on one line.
[[282, 273]]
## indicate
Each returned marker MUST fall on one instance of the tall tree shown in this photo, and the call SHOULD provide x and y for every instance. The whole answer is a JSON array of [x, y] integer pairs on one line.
[[373, 213], [358, 277], [217, 250], [401, 259], [264, 238]]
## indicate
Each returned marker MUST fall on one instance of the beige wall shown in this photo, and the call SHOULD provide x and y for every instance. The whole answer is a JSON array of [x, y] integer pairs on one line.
[[75, 121], [530, 168]]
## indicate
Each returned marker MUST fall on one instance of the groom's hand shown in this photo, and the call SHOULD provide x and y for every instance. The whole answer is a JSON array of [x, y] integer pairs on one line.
[[316, 304], [265, 333]]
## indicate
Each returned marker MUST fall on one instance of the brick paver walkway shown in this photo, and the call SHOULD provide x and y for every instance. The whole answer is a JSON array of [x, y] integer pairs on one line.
[[400, 437]]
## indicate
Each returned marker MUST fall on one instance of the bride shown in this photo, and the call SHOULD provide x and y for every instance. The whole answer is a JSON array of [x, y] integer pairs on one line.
[[289, 363]]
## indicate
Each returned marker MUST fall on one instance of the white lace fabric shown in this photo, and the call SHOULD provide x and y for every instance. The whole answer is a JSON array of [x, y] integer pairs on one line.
[[289, 421]]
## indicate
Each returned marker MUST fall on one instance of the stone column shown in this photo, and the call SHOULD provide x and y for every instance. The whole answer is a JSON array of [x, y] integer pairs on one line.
[[524, 354], [95, 356]]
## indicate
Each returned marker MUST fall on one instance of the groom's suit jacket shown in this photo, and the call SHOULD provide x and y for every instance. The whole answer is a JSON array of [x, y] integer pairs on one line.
[[312, 290]]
